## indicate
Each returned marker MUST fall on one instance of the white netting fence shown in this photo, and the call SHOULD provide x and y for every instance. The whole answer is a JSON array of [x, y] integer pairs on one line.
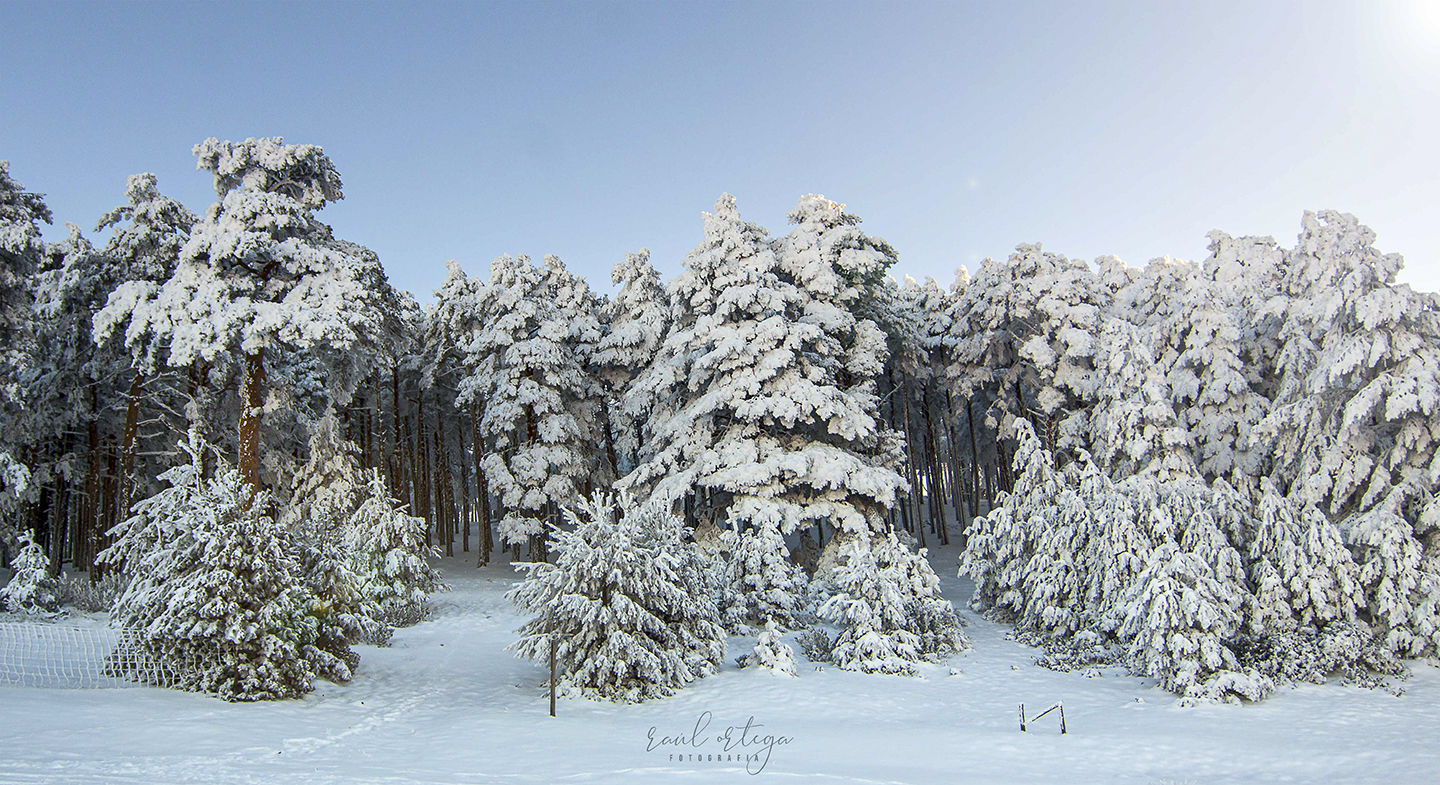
[[35, 654]]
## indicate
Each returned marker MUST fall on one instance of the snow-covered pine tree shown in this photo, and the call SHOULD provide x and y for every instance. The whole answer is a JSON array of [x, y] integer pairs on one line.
[[214, 596], [1024, 336], [1118, 547], [20, 253], [618, 605], [929, 615], [1196, 345], [761, 405], [1357, 413], [771, 653], [73, 382], [1248, 274], [260, 273], [1134, 426], [324, 496], [1399, 578], [1054, 578], [328, 488], [580, 309], [148, 233], [1301, 572], [536, 393], [31, 588], [1356, 417], [388, 549], [636, 321], [1001, 545]]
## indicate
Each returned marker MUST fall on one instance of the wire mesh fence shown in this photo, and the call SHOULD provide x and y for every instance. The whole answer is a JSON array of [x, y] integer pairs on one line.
[[37, 654]]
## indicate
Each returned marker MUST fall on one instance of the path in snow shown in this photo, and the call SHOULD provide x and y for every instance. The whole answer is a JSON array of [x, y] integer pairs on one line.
[[447, 704]]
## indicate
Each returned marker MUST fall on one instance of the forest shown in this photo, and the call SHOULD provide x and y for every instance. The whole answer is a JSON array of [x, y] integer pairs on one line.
[[1219, 473]]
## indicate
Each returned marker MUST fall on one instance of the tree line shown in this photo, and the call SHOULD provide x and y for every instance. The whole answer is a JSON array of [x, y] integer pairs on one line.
[[784, 391]]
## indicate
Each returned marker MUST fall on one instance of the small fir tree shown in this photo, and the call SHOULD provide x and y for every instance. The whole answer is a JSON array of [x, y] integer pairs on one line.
[[215, 598], [389, 552], [889, 609], [771, 653], [619, 605], [31, 589], [762, 583]]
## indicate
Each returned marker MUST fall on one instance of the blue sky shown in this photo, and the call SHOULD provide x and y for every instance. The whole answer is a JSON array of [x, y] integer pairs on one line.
[[956, 130]]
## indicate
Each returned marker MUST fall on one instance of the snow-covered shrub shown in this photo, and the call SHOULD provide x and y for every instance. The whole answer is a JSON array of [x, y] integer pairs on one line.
[[215, 593], [770, 652], [761, 583], [890, 610], [78, 591], [619, 603], [816, 644], [31, 589], [1348, 649], [1084, 650], [389, 552]]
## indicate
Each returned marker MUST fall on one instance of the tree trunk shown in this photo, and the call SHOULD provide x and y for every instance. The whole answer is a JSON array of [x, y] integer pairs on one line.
[[56, 542], [127, 443], [532, 435], [609, 438], [464, 489], [91, 521], [253, 401], [420, 469], [482, 488], [395, 476]]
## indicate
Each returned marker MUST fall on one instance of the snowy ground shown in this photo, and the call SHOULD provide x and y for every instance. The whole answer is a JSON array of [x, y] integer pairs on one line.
[[447, 704]]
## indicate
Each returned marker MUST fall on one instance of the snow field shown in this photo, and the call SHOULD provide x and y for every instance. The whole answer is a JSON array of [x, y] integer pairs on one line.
[[447, 704]]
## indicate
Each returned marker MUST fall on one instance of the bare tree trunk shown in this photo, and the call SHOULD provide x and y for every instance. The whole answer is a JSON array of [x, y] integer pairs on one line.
[[91, 520], [482, 488], [395, 475], [532, 435], [936, 495], [444, 490], [253, 402], [609, 438], [464, 488], [127, 443], [110, 514], [56, 542], [420, 468], [903, 390]]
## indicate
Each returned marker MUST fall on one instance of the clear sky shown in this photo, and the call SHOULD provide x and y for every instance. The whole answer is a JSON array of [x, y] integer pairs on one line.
[[588, 129]]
